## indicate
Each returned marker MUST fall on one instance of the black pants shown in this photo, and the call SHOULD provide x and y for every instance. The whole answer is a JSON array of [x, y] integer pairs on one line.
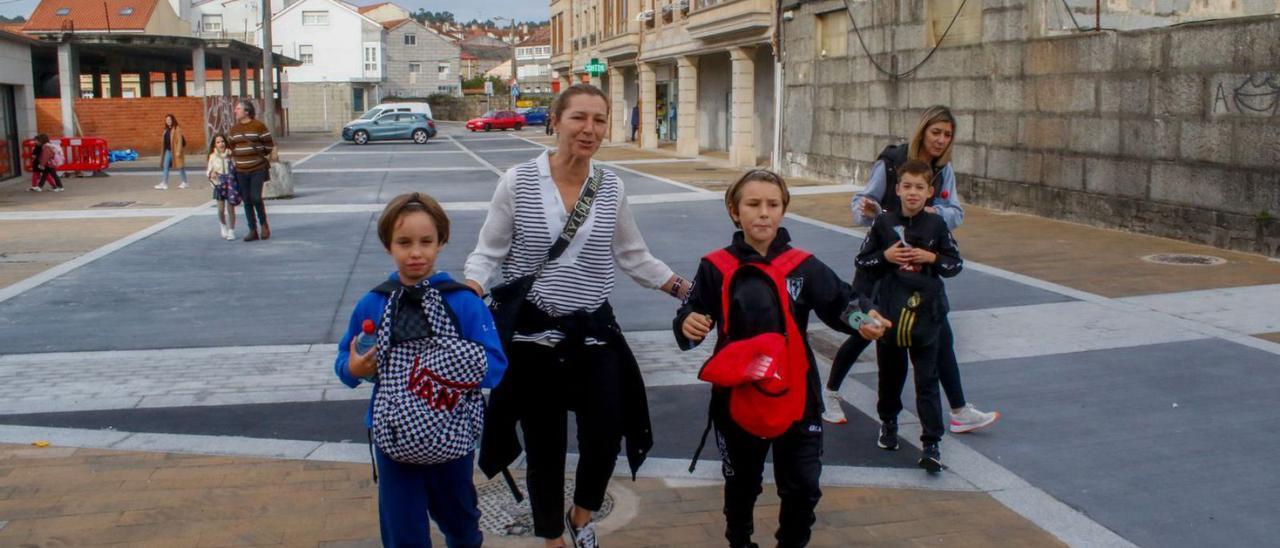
[[797, 467], [251, 183], [892, 361], [587, 381], [948, 368], [50, 173]]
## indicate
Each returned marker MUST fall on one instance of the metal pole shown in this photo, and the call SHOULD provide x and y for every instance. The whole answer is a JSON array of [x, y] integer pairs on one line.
[[1097, 15], [268, 84]]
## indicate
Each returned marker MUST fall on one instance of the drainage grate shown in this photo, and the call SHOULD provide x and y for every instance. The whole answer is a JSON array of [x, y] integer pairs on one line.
[[500, 514], [1184, 259], [113, 204]]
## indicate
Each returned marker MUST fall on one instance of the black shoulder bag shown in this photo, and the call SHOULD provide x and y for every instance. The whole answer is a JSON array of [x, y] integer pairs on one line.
[[506, 300]]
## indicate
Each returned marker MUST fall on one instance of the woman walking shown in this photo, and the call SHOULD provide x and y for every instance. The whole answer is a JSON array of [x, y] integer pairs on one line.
[[251, 146], [222, 177], [931, 143], [566, 351], [174, 155]]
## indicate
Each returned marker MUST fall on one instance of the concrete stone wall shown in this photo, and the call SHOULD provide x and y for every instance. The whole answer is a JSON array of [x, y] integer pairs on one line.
[[321, 107], [1173, 131]]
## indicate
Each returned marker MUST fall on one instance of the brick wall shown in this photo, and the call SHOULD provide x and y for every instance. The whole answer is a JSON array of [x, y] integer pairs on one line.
[[136, 123], [1171, 131]]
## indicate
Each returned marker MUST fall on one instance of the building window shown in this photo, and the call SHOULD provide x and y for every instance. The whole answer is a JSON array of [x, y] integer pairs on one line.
[[63, 11], [211, 23], [442, 70], [315, 18], [357, 99], [126, 11], [410, 39], [415, 68], [833, 34], [371, 58], [306, 54]]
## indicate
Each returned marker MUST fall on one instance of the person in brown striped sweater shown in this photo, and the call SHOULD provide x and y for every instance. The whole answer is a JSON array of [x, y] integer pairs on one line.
[[251, 146]]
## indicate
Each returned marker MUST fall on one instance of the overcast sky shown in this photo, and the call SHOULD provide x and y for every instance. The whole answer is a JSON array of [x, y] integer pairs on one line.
[[463, 10]]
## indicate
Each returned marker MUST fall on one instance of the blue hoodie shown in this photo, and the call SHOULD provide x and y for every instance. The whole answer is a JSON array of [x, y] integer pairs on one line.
[[473, 316]]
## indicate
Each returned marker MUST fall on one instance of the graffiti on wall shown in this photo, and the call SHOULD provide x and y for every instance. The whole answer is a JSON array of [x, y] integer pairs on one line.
[[1256, 94], [219, 112]]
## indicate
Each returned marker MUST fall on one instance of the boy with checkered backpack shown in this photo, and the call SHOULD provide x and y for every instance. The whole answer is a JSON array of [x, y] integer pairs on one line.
[[436, 348]]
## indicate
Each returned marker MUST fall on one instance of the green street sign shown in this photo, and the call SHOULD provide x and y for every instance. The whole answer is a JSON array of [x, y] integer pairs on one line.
[[595, 67]]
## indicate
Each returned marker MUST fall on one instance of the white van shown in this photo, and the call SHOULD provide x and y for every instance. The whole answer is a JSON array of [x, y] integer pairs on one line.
[[415, 107]]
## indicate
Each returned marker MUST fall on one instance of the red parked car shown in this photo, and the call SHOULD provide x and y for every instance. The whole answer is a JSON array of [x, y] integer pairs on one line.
[[497, 119]]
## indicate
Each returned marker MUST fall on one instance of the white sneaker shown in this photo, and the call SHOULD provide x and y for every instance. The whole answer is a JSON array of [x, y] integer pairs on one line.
[[59, 189], [969, 418], [584, 537], [35, 189], [832, 413], [182, 186], [161, 186], [229, 234]]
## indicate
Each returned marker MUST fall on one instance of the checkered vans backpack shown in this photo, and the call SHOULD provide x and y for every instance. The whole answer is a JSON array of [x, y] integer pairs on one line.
[[428, 408]]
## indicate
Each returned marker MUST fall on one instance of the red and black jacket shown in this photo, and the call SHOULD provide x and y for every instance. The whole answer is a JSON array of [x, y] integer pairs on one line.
[[812, 286]]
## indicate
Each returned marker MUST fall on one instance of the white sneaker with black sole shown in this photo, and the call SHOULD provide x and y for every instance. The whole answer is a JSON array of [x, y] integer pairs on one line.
[[581, 538], [969, 418]]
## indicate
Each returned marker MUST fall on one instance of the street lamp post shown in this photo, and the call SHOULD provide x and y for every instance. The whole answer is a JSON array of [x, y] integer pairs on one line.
[[268, 87]]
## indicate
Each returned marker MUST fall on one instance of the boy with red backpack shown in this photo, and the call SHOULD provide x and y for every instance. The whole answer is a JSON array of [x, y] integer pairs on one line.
[[758, 293]]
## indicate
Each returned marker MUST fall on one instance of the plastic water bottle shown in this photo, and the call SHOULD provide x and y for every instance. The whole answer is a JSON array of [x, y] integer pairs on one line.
[[367, 339]]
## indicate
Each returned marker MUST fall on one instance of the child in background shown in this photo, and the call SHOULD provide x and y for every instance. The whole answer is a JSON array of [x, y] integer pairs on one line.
[[908, 252], [219, 172], [765, 274], [413, 229]]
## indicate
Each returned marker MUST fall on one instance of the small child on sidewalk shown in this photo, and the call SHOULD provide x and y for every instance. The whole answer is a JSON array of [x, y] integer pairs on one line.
[[224, 182], [437, 346], [908, 252], [759, 291]]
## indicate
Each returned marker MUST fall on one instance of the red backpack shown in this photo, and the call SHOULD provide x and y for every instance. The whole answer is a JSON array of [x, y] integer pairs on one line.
[[766, 374]]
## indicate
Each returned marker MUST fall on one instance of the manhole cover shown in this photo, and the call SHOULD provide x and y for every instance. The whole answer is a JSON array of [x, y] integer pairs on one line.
[[112, 204], [1184, 259], [501, 515]]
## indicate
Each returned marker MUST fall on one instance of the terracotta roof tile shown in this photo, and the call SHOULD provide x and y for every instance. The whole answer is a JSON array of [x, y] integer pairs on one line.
[[91, 15]]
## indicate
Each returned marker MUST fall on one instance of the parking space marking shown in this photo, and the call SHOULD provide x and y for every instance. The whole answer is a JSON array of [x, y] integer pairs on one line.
[[476, 156], [615, 165], [387, 169], [39, 279]]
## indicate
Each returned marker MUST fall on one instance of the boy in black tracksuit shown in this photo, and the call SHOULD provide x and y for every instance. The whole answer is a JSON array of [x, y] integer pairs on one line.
[[812, 286], [908, 252]]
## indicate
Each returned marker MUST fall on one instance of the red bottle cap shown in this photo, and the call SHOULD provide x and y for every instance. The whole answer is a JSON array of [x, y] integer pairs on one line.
[[368, 327]]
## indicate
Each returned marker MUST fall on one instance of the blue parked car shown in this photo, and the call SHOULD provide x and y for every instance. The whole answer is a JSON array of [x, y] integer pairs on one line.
[[393, 125], [536, 116]]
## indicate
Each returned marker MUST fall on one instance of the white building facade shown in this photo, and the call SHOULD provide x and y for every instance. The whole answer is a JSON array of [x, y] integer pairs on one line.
[[343, 68]]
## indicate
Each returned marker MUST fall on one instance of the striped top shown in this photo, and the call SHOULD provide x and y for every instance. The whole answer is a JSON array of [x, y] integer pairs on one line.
[[526, 216], [250, 142]]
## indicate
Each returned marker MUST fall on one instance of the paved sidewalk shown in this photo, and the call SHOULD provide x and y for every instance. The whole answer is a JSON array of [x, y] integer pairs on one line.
[[1052, 320], [64, 496]]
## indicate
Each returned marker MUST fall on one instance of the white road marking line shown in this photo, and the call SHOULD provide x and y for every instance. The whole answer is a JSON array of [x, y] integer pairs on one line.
[[375, 152], [90, 214], [318, 152], [632, 171], [476, 156], [389, 169], [656, 161]]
